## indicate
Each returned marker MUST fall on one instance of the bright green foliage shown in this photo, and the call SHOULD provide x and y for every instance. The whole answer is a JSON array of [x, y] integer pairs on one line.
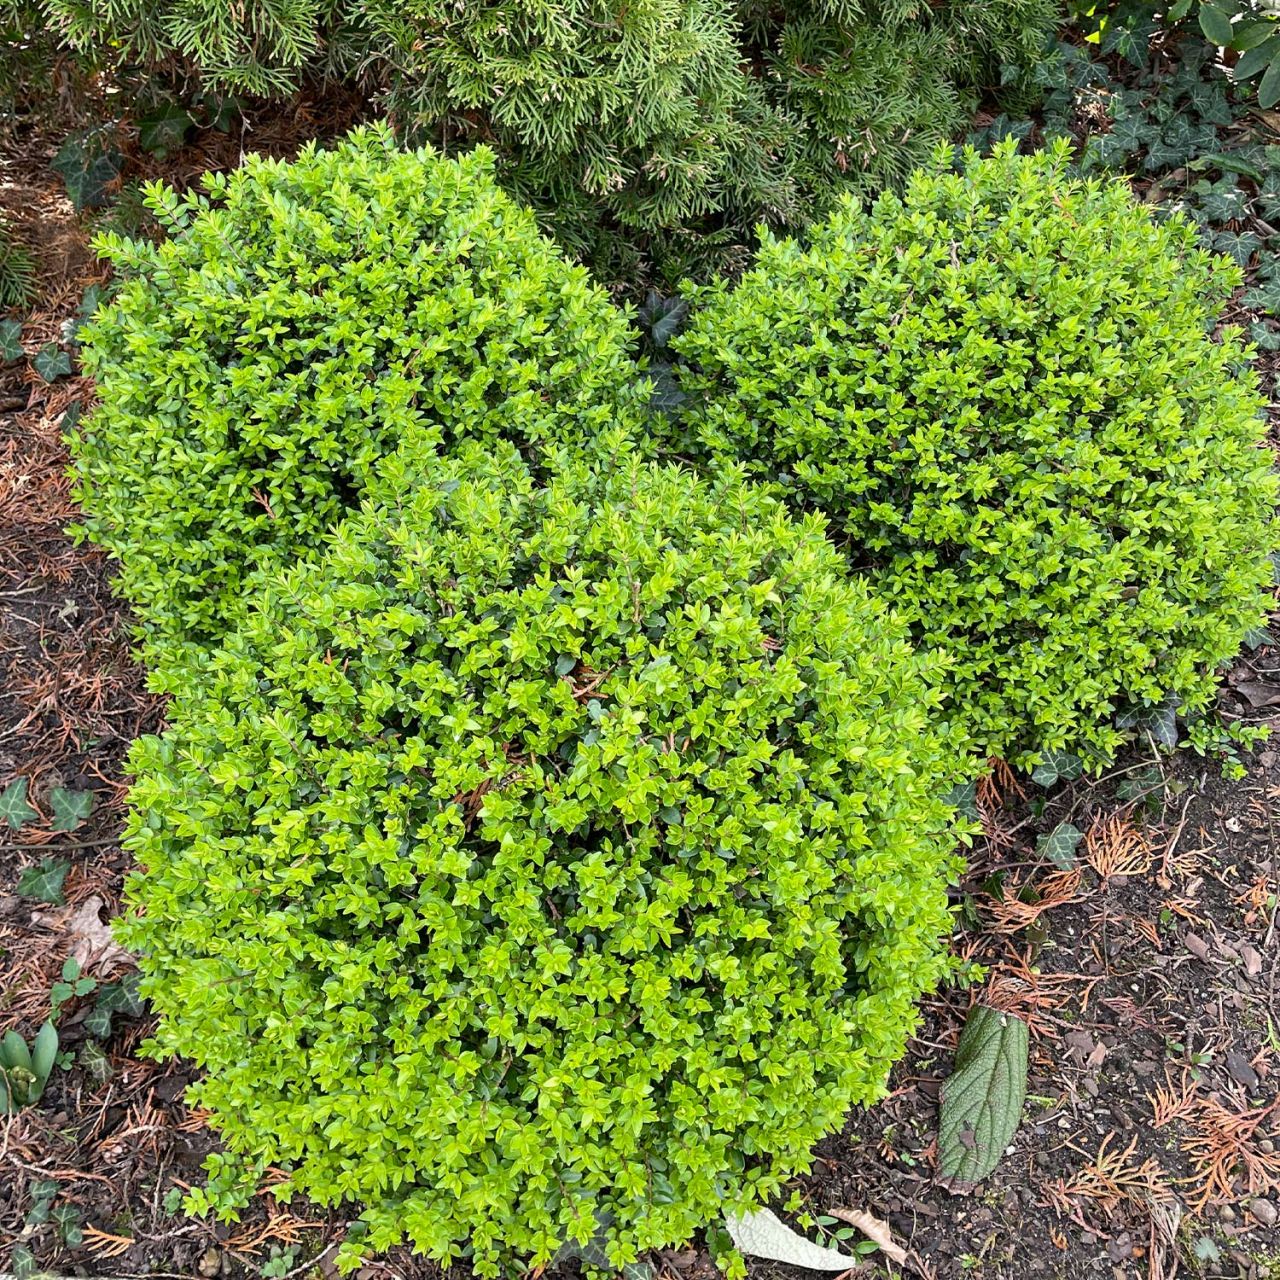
[[1003, 387], [546, 863], [299, 322]]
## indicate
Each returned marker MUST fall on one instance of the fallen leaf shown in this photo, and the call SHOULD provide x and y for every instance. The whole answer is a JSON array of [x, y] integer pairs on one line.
[[1258, 694], [763, 1235], [91, 941], [875, 1230], [1240, 1069], [1252, 960], [1197, 946]]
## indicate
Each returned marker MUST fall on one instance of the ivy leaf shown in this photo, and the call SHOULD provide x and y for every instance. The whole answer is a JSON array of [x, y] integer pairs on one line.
[[14, 808], [663, 316], [1160, 723], [963, 797], [982, 1099], [10, 341], [44, 881], [51, 362], [1060, 845], [1216, 24], [71, 809], [1240, 245], [1055, 767], [164, 130], [88, 164]]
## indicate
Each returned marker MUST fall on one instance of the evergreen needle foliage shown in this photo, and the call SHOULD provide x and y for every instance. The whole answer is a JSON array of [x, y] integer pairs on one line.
[[299, 322], [1004, 387], [650, 136], [17, 272], [545, 864]]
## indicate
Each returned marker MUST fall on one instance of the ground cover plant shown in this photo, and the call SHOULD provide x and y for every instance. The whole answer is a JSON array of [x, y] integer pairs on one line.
[[297, 323], [1004, 387], [546, 866]]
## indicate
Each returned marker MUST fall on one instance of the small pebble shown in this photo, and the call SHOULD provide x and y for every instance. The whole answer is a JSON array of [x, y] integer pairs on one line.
[[1264, 1211]]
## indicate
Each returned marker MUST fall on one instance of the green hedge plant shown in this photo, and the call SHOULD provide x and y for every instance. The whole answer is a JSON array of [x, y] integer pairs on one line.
[[300, 321], [1006, 389], [650, 136], [545, 866]]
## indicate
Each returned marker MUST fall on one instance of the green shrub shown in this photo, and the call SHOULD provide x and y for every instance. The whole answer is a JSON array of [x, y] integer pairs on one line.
[[545, 864], [656, 136], [299, 323], [1003, 387], [652, 136]]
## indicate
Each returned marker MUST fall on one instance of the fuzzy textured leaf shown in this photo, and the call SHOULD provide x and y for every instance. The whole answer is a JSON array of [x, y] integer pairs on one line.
[[982, 1098]]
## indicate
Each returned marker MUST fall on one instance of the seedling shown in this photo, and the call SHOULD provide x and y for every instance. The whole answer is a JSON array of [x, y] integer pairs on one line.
[[24, 1070]]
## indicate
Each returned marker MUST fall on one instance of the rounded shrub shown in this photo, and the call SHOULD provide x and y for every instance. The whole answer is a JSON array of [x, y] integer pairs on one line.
[[546, 867], [300, 321], [1004, 387]]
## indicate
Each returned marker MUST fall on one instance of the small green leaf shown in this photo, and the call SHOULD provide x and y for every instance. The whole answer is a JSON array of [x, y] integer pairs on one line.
[[71, 809], [14, 808], [44, 881], [982, 1099], [51, 362], [1216, 24], [1060, 845]]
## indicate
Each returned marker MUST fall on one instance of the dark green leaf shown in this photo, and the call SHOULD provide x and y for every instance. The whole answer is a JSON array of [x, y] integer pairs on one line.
[[44, 881], [1269, 89], [71, 809], [982, 1099], [1055, 767], [10, 341], [89, 164], [14, 808], [1060, 845], [164, 130], [1159, 723], [1255, 61], [1216, 24], [51, 362]]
